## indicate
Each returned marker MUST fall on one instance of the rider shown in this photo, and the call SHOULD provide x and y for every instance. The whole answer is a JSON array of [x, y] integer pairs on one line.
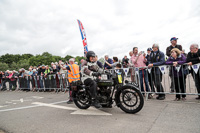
[[90, 70]]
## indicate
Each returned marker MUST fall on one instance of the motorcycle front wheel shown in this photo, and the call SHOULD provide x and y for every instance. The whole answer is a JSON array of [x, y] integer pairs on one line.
[[130, 99]]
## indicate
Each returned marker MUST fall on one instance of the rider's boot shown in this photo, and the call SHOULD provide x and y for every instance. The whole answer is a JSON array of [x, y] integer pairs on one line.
[[96, 104]]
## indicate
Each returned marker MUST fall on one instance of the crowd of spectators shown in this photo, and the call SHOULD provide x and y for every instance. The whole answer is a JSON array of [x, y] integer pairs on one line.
[[49, 76], [175, 56], [35, 78]]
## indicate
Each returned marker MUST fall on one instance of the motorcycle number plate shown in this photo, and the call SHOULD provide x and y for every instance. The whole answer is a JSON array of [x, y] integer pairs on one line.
[[104, 77]]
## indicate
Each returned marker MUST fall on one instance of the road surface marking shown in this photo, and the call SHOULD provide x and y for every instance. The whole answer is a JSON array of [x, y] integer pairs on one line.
[[90, 111], [37, 97], [3, 106], [77, 111], [21, 100], [12, 109], [27, 107], [54, 106]]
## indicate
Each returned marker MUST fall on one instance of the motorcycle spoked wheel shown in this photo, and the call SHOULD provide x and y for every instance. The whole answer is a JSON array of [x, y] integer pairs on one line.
[[82, 99], [130, 100]]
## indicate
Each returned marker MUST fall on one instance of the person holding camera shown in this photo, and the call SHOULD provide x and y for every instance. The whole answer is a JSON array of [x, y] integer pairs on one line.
[[89, 72], [139, 61]]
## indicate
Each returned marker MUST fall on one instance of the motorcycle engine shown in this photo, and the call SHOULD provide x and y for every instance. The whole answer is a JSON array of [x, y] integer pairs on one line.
[[104, 94]]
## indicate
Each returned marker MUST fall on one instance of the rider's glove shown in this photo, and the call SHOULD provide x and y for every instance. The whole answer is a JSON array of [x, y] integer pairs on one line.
[[96, 74]]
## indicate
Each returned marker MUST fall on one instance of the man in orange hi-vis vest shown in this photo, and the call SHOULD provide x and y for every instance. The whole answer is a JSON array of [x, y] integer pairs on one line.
[[73, 75]]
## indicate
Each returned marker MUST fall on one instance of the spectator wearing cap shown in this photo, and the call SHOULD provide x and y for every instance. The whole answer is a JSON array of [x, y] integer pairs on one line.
[[179, 77], [174, 44], [107, 59], [192, 59], [139, 61], [157, 58], [149, 50]]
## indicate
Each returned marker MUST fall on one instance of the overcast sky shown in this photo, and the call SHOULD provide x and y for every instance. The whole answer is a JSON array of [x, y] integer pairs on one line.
[[112, 27]]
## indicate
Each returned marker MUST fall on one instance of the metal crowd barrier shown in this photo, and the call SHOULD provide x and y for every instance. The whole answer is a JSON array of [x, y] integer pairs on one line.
[[167, 78], [56, 82]]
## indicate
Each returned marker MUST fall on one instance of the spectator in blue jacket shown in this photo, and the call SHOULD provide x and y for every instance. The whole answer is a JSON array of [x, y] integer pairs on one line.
[[110, 61], [157, 58], [98, 62]]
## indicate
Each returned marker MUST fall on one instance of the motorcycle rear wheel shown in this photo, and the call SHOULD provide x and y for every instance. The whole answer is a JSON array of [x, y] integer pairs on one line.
[[82, 99]]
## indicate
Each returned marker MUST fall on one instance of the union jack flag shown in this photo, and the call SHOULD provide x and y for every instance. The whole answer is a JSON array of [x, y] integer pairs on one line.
[[83, 35]]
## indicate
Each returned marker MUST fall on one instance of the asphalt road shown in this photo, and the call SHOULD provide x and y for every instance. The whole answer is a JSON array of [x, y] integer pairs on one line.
[[45, 112]]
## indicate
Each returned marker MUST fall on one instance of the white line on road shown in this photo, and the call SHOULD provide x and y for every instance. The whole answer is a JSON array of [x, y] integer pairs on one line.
[[27, 107], [54, 106], [12, 109], [90, 111], [37, 97], [3, 106]]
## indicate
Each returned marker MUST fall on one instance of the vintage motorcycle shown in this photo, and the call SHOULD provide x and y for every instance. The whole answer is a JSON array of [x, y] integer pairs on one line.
[[126, 96]]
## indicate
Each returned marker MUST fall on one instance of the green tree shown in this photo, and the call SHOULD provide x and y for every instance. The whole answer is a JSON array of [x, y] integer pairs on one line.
[[24, 64], [7, 58], [3, 66], [67, 57], [102, 60], [14, 66], [78, 59], [26, 56]]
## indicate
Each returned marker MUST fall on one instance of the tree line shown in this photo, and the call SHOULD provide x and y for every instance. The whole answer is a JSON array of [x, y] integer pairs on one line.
[[17, 61]]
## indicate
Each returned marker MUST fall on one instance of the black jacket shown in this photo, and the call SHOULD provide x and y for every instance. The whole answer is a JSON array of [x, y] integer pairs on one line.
[[41, 71], [99, 64], [168, 50], [194, 57]]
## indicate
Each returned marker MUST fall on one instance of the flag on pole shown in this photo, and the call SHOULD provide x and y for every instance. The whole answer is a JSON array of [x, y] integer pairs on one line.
[[83, 35]]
